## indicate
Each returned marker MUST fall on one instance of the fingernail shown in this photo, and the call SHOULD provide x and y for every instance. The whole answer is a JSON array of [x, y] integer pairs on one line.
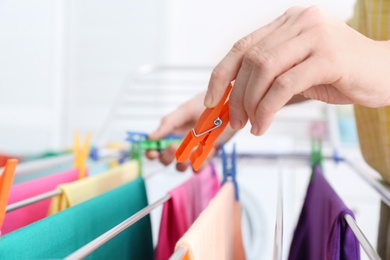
[[235, 123], [208, 99], [255, 129]]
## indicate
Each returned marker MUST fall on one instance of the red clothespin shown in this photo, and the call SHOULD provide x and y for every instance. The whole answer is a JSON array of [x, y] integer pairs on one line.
[[6, 180], [209, 127]]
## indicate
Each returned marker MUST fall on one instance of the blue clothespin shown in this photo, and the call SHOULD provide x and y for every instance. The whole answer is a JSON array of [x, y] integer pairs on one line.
[[174, 137], [124, 155], [136, 137], [229, 171], [336, 157], [94, 154]]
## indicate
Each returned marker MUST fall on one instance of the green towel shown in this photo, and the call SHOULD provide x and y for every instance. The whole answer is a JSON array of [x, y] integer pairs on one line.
[[59, 235]]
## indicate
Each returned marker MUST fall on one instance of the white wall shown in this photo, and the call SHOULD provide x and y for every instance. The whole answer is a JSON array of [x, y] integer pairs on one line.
[[203, 31], [63, 62]]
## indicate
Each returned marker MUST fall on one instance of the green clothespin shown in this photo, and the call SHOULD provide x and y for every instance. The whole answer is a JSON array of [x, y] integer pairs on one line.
[[158, 144], [316, 157], [140, 142], [136, 154]]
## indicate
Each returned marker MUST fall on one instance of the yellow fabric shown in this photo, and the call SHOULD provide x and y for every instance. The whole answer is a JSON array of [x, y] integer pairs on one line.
[[372, 18], [216, 233], [88, 188]]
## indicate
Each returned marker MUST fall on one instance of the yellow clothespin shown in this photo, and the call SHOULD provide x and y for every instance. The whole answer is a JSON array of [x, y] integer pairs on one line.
[[81, 154], [6, 180]]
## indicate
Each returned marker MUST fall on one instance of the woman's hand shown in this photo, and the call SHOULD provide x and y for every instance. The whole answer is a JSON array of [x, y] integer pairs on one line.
[[305, 51], [181, 121]]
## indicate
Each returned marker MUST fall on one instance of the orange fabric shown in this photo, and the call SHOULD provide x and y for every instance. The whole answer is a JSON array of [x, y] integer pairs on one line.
[[216, 234]]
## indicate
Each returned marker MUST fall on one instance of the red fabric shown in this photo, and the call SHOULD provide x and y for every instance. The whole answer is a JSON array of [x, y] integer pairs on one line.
[[5, 157], [186, 203]]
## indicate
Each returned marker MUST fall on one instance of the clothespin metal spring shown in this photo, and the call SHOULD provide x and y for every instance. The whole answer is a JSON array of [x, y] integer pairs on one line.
[[217, 122]]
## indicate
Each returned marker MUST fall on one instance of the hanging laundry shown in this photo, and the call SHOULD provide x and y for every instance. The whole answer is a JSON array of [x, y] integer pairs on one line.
[[216, 234], [46, 154], [36, 175], [322, 232], [34, 212], [58, 236], [87, 188], [94, 168], [186, 203]]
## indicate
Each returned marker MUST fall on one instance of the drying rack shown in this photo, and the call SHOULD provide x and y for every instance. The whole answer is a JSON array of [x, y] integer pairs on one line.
[[123, 111], [278, 235], [152, 78]]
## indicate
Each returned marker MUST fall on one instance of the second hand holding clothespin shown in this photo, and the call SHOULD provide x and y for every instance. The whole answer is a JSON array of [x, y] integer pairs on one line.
[[209, 127]]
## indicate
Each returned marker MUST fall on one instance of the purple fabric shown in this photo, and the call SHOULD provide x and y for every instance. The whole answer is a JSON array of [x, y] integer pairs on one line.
[[322, 232]]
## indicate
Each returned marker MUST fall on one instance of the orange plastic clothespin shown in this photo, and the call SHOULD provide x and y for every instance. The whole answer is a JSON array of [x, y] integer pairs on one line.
[[81, 154], [209, 127], [6, 180]]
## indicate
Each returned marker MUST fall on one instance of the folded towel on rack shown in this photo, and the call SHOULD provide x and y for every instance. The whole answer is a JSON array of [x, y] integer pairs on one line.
[[58, 236], [216, 234], [87, 188], [31, 213], [186, 203], [322, 232]]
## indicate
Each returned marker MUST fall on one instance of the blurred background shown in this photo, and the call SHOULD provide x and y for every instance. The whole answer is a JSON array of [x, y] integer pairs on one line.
[[101, 67], [64, 62]]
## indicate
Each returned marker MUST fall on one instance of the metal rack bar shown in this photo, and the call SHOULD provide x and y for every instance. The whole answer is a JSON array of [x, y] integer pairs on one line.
[[278, 235], [32, 200], [104, 238], [179, 253], [365, 244]]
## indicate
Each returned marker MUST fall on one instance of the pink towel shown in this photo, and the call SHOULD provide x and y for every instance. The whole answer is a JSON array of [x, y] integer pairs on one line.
[[186, 203], [34, 212]]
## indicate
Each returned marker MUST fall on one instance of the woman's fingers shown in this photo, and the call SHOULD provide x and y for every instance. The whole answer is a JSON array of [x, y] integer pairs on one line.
[[227, 69], [267, 64], [311, 72], [247, 74], [152, 154], [183, 166], [168, 155]]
